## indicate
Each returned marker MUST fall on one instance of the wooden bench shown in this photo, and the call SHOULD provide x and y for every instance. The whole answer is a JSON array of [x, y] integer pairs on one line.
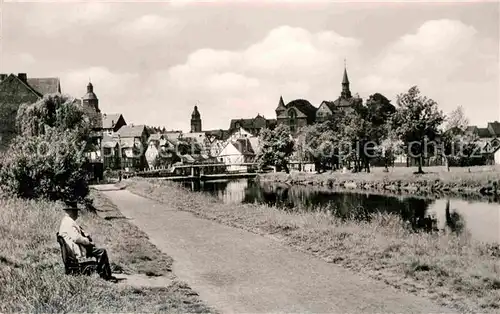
[[73, 265]]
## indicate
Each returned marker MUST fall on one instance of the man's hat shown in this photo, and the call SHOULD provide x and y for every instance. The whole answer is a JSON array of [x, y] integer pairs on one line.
[[71, 204]]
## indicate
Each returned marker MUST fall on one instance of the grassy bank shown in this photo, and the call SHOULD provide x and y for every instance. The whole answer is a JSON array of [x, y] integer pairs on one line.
[[480, 180], [453, 270], [32, 274]]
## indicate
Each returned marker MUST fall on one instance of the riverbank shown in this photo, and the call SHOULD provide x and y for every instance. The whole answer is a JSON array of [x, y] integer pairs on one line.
[[32, 274], [452, 270], [459, 181]]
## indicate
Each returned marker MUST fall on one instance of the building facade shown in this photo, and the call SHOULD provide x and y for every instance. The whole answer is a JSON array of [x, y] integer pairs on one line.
[[195, 121], [300, 112], [16, 90]]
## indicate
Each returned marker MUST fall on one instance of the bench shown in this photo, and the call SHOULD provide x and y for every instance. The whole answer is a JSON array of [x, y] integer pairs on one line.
[[72, 265]]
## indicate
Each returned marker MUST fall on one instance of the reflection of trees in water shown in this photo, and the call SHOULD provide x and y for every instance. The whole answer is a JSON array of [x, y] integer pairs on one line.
[[346, 206], [454, 220]]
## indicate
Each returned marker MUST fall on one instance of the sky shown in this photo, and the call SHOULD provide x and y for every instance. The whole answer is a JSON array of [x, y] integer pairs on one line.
[[154, 61]]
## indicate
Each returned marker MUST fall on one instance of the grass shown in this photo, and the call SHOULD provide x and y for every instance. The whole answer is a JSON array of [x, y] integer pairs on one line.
[[453, 270], [32, 275], [477, 178]]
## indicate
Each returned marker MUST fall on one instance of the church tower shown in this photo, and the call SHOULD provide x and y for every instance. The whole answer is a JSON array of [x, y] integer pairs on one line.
[[90, 98], [346, 92], [195, 120]]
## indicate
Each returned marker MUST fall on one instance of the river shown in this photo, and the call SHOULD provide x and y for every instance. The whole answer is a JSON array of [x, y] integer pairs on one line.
[[480, 219]]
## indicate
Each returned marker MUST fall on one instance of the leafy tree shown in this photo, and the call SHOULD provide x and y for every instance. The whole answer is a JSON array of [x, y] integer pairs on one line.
[[457, 145], [47, 159], [276, 147], [50, 166], [321, 145], [457, 121], [389, 148], [356, 132], [379, 110], [416, 122], [55, 111]]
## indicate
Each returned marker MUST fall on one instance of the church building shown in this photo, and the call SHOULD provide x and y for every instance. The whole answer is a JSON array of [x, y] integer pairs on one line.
[[300, 112]]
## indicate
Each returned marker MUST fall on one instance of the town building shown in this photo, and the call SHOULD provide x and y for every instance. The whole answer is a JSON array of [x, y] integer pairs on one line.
[[489, 140], [90, 106], [16, 90], [237, 153], [111, 123], [195, 121], [133, 143], [296, 114], [110, 152], [300, 112], [252, 125], [161, 152]]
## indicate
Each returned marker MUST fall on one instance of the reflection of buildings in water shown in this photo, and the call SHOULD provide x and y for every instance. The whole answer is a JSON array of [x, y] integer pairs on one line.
[[234, 191]]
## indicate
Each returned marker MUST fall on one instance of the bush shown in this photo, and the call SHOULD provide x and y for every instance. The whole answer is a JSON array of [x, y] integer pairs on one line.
[[50, 166]]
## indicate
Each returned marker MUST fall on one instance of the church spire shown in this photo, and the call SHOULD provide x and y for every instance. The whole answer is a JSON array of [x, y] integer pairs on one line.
[[281, 103], [346, 93]]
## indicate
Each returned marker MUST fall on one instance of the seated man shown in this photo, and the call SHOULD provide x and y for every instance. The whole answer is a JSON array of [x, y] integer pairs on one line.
[[81, 243]]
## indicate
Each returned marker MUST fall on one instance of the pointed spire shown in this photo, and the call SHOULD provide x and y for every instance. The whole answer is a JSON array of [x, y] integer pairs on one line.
[[345, 79], [90, 87], [346, 92], [281, 103], [281, 107]]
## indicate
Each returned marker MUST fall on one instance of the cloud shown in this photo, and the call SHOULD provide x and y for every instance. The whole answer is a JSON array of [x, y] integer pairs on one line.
[[54, 18], [288, 60], [12, 62], [147, 27], [437, 52], [442, 57], [114, 89], [298, 63]]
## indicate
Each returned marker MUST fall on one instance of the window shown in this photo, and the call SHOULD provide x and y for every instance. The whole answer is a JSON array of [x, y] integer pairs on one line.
[[292, 120]]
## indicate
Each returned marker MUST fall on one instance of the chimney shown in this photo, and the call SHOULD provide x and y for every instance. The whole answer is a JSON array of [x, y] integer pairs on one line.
[[3, 76], [23, 77]]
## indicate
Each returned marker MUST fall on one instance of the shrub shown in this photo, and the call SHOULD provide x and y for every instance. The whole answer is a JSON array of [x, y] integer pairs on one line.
[[50, 166]]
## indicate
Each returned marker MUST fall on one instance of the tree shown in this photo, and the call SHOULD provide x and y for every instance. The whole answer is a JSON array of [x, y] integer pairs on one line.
[[389, 148], [457, 121], [357, 130], [379, 110], [276, 147], [55, 111], [50, 166], [416, 122], [321, 145], [455, 139], [47, 159]]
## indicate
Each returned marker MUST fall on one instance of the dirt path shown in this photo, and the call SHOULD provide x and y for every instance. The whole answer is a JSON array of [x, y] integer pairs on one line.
[[237, 271]]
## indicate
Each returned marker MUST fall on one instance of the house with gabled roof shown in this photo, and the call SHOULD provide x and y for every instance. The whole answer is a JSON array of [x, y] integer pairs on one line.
[[112, 122], [238, 152], [161, 151], [16, 90], [296, 114], [110, 152], [133, 142], [252, 125]]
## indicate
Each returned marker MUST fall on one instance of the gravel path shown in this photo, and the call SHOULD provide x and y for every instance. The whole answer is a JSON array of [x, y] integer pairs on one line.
[[236, 271]]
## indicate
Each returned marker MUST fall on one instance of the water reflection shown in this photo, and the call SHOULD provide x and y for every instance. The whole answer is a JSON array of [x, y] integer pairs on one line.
[[480, 219]]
